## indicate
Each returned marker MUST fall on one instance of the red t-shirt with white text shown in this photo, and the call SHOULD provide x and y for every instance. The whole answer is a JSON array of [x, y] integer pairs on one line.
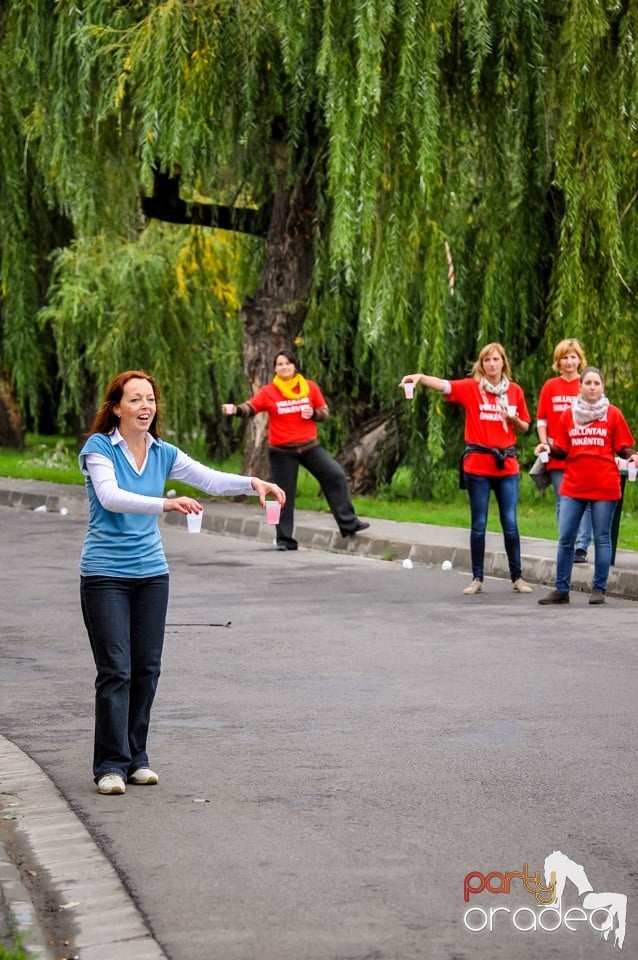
[[591, 472], [556, 396], [485, 425], [286, 425]]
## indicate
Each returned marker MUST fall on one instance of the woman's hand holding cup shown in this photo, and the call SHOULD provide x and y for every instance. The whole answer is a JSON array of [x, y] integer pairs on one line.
[[182, 505], [264, 487], [542, 450]]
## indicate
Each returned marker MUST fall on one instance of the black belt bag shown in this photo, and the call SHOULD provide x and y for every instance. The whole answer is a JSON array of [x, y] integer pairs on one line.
[[500, 454]]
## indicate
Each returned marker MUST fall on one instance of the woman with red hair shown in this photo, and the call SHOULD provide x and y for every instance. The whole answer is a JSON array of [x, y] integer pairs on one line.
[[124, 574]]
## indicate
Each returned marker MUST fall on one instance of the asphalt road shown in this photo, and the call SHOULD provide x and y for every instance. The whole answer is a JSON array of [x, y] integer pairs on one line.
[[338, 759]]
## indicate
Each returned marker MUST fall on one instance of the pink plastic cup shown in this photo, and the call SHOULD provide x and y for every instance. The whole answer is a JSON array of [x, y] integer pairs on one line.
[[409, 390], [273, 511]]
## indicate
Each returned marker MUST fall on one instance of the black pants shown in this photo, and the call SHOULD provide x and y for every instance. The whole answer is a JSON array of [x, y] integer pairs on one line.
[[125, 618], [284, 464]]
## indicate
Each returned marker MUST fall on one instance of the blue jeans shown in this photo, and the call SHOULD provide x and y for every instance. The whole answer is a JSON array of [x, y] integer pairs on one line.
[[571, 513], [125, 619], [506, 493], [583, 537]]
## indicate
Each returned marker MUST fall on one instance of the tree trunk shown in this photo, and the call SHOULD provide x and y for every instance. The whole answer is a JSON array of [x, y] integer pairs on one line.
[[373, 452], [11, 428], [273, 318]]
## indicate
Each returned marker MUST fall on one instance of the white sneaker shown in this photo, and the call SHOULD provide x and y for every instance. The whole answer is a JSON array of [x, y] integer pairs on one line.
[[111, 783], [475, 587], [143, 777], [521, 587]]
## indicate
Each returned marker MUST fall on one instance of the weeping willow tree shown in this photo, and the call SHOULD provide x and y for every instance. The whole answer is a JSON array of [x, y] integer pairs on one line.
[[165, 302], [438, 173]]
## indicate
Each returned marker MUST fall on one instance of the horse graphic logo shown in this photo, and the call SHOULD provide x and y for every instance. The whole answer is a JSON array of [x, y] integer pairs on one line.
[[560, 869]]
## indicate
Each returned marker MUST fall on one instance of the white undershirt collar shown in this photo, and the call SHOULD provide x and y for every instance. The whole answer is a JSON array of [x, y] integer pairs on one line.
[[117, 438]]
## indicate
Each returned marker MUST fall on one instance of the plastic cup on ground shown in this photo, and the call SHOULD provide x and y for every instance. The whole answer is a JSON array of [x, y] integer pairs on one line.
[[544, 456], [273, 511], [409, 390], [194, 522], [511, 410]]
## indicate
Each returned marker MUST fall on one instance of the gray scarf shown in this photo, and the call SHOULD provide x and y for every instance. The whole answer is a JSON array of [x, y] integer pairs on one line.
[[584, 413], [499, 390]]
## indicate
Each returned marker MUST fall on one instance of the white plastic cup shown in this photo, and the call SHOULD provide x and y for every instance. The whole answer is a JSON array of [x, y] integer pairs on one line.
[[194, 522], [228, 408], [544, 456], [409, 390], [511, 410], [273, 511], [631, 470]]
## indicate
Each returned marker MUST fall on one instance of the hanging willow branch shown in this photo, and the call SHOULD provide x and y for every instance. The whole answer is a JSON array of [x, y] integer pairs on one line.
[[506, 127]]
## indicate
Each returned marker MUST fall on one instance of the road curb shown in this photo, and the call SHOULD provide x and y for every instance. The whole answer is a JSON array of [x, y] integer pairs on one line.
[[22, 914], [108, 925]]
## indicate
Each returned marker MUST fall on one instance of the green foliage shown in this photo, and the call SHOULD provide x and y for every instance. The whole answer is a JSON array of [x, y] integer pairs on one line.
[[165, 303], [20, 349], [14, 950], [475, 174]]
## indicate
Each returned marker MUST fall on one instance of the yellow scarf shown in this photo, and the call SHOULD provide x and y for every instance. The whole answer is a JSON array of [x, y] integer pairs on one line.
[[294, 389]]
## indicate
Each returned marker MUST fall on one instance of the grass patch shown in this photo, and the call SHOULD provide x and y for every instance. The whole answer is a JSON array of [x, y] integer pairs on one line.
[[45, 458], [14, 952]]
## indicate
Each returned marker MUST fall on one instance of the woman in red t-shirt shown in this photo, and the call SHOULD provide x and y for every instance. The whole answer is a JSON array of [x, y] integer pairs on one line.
[[295, 406], [588, 438], [556, 396], [495, 411]]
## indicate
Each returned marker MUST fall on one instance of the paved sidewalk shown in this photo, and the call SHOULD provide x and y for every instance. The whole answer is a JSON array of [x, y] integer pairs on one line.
[[106, 922]]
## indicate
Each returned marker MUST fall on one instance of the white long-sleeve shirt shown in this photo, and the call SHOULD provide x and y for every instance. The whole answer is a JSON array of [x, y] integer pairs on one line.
[[102, 473]]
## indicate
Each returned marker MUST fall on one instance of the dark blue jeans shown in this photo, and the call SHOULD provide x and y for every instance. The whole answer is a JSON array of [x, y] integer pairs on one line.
[[571, 514], [506, 493], [584, 535], [125, 620]]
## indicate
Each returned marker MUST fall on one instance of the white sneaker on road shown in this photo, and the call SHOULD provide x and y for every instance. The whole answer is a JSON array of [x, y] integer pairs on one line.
[[111, 783], [143, 777]]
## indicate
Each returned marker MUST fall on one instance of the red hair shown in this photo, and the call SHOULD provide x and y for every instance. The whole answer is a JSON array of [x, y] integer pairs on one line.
[[105, 419]]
